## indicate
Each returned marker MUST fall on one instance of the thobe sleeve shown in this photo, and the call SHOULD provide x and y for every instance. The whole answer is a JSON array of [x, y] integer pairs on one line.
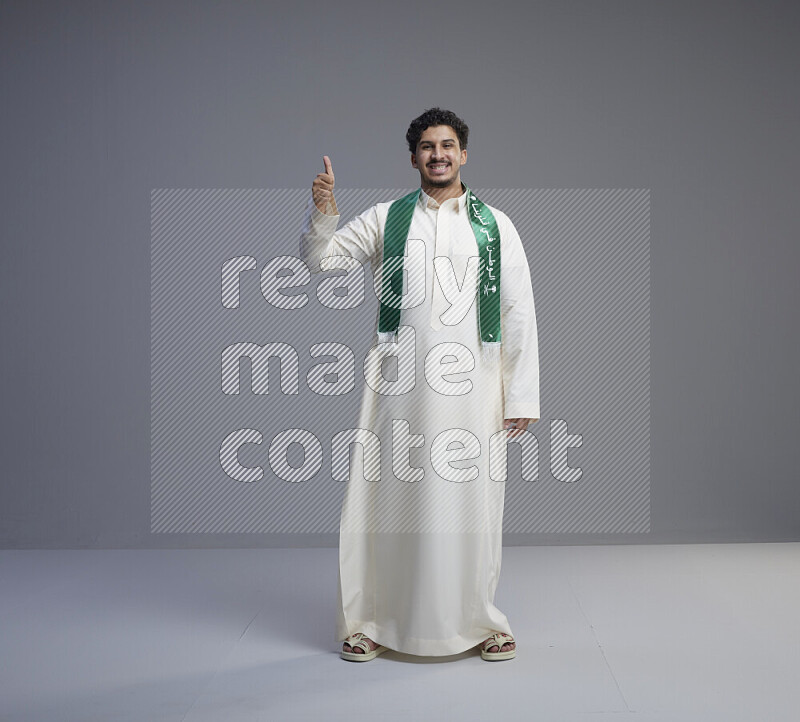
[[359, 238], [520, 341]]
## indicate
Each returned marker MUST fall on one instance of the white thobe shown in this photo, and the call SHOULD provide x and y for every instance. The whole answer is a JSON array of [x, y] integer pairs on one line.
[[420, 548]]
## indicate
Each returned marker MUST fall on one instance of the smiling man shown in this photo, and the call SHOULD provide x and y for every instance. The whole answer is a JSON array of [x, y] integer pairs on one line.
[[421, 538]]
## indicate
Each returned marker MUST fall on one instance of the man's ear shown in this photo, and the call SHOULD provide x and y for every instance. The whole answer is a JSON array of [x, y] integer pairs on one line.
[[413, 160], [463, 156]]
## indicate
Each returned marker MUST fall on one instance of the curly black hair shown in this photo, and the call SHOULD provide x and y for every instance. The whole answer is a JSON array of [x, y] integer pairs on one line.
[[436, 116]]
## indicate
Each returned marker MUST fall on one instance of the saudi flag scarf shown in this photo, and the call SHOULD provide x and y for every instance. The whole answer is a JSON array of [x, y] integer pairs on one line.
[[395, 235]]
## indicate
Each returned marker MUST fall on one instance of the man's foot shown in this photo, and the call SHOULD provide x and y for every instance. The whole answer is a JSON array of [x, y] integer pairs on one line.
[[507, 647], [358, 650], [499, 646]]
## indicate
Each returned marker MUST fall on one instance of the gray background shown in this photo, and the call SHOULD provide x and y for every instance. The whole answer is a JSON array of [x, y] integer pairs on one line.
[[103, 102]]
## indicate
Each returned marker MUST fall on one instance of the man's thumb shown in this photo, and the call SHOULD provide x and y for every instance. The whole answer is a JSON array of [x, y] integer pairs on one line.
[[328, 165]]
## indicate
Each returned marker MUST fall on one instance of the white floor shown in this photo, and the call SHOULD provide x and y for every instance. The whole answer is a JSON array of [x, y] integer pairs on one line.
[[663, 632]]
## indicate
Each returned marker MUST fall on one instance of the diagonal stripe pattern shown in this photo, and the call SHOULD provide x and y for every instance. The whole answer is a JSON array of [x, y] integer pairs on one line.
[[243, 443]]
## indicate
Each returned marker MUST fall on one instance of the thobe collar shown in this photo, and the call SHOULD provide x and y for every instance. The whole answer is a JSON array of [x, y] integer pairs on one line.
[[458, 203]]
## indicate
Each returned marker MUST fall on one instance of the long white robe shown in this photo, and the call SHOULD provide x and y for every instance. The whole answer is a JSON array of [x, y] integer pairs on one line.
[[420, 549]]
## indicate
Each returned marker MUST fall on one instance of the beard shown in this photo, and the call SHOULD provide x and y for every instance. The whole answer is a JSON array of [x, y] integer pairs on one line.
[[440, 183]]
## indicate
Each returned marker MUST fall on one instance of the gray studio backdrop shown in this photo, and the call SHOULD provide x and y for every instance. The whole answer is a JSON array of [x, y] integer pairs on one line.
[[665, 133]]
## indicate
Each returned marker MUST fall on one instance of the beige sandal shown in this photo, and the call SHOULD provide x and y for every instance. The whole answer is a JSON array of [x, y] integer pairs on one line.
[[357, 640], [498, 639]]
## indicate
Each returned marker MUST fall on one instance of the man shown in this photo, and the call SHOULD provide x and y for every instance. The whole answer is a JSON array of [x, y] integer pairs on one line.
[[420, 538]]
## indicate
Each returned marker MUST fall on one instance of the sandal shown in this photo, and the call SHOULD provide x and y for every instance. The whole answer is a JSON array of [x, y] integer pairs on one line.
[[498, 639], [357, 640]]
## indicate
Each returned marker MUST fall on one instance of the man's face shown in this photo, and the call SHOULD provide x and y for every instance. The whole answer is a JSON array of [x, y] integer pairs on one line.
[[439, 157]]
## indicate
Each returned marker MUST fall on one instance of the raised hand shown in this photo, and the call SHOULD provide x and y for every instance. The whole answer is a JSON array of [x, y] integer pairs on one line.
[[322, 189]]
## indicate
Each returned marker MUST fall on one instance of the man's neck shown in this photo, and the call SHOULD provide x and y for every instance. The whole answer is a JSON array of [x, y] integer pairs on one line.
[[440, 195]]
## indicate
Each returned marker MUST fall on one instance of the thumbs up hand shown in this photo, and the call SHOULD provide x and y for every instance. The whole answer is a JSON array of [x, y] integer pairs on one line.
[[322, 189]]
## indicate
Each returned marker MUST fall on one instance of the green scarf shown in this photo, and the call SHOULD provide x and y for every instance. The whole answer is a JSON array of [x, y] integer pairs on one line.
[[395, 235]]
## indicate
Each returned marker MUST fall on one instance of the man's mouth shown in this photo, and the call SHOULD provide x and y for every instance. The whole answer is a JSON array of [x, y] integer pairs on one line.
[[438, 167]]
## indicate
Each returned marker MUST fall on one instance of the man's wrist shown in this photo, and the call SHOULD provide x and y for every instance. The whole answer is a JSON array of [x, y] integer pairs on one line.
[[328, 209]]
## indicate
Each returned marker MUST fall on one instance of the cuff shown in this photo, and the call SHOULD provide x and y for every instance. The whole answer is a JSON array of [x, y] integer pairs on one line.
[[521, 410]]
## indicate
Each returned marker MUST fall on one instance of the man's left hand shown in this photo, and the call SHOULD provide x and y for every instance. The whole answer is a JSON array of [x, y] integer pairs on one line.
[[516, 426]]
